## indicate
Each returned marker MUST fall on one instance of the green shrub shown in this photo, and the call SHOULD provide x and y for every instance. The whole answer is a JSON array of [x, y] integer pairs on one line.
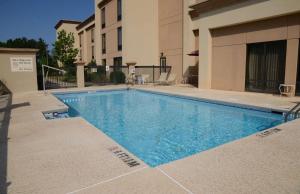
[[98, 78], [95, 77], [117, 77]]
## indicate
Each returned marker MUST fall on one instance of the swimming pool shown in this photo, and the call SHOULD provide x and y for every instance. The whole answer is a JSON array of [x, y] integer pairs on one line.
[[161, 128]]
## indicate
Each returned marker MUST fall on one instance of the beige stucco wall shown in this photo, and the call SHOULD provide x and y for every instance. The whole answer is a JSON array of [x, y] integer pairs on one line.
[[18, 81], [140, 32], [240, 13], [229, 49], [87, 43], [171, 33], [111, 26]]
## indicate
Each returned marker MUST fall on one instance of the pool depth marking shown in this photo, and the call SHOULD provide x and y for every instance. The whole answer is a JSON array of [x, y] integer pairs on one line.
[[126, 158], [269, 132]]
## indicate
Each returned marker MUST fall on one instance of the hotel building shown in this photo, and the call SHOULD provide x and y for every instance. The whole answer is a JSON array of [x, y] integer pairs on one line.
[[238, 45]]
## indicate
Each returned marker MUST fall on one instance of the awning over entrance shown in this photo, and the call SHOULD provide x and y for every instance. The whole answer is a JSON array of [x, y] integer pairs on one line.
[[194, 53]]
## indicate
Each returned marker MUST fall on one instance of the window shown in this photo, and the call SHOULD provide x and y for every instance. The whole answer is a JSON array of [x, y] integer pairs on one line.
[[92, 35], [80, 39], [93, 52], [117, 63], [103, 17], [80, 55], [119, 10], [104, 62], [119, 38], [103, 43]]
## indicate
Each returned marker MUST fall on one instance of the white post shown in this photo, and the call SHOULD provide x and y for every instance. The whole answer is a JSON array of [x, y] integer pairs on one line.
[[43, 72]]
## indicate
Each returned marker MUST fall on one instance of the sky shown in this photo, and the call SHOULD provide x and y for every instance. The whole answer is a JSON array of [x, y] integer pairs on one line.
[[37, 18]]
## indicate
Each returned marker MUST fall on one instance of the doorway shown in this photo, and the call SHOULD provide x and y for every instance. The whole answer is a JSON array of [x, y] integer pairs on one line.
[[265, 68]]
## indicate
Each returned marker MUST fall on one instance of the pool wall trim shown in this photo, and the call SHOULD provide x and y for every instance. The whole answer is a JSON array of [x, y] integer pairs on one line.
[[89, 91], [219, 102]]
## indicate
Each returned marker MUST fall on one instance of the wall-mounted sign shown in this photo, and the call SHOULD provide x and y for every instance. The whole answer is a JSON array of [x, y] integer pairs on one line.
[[107, 68], [21, 64]]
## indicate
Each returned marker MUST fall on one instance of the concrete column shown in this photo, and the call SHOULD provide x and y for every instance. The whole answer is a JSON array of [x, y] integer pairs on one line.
[[291, 61], [80, 76], [205, 58]]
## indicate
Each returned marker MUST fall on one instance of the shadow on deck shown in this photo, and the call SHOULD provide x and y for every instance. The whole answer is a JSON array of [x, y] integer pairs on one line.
[[5, 114]]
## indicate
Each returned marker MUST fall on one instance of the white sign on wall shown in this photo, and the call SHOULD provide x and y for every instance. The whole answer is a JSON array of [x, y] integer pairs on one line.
[[21, 64], [107, 68]]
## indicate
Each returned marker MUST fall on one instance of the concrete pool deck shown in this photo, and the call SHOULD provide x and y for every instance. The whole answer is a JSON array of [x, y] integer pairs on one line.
[[71, 156]]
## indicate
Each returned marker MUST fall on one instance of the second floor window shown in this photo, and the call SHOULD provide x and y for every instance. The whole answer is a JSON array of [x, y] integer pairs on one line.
[[80, 55], [103, 17], [119, 38], [119, 10], [93, 52], [92, 35], [103, 43], [80, 39]]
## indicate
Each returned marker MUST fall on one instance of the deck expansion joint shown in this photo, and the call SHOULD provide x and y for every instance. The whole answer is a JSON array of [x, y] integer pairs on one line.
[[175, 181], [109, 180]]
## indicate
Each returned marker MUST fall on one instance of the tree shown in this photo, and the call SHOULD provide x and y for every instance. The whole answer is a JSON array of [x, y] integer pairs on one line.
[[65, 52]]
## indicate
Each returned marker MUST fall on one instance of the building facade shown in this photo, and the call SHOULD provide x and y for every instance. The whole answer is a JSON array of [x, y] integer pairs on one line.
[[238, 45], [247, 45]]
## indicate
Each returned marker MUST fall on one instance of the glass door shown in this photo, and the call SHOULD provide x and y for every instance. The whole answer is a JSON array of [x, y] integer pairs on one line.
[[265, 69]]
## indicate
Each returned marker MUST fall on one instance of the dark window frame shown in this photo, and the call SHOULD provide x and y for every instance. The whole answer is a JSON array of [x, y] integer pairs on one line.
[[103, 43], [80, 54], [80, 39], [119, 10], [118, 63], [104, 62], [92, 35], [103, 12], [93, 52], [119, 42]]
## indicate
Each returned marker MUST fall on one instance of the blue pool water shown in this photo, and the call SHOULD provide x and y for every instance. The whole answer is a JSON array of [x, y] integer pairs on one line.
[[160, 128]]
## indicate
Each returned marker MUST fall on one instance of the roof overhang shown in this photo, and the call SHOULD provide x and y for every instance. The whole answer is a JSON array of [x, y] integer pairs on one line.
[[86, 22], [18, 50], [61, 22], [103, 3], [194, 53], [210, 5]]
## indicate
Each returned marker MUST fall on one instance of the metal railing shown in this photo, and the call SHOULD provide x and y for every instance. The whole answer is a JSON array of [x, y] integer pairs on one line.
[[99, 75], [294, 112], [54, 78]]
